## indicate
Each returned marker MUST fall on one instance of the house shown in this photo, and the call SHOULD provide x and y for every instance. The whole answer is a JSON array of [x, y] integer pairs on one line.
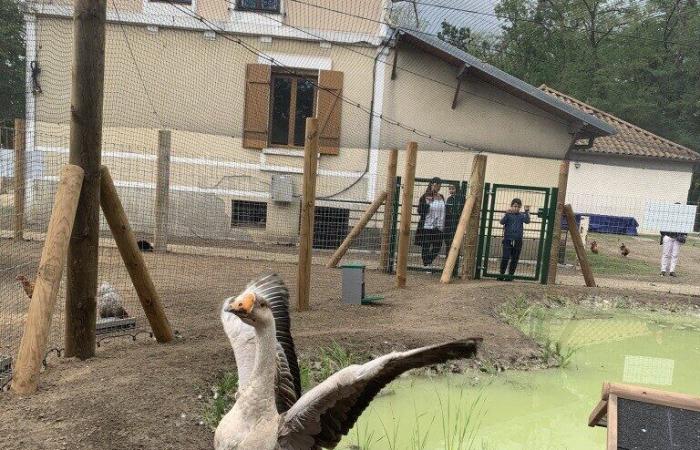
[[233, 81], [620, 174]]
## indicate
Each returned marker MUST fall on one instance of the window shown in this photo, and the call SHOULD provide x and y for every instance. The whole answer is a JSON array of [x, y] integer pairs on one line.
[[272, 6], [292, 101], [248, 214], [179, 2]]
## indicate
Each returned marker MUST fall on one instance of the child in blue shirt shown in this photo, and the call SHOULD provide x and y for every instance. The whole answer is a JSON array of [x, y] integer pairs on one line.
[[513, 225]]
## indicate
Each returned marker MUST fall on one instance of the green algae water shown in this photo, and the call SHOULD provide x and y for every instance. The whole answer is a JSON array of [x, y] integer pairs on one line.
[[542, 409]]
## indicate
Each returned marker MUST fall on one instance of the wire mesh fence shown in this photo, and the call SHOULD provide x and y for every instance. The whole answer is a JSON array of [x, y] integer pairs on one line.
[[205, 106]]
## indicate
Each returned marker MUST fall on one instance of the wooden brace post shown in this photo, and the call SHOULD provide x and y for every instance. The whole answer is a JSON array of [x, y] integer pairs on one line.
[[578, 245], [406, 210], [356, 230], [133, 259], [48, 280], [464, 222]]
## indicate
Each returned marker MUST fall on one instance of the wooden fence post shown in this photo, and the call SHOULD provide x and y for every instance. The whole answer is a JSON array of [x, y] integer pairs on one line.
[[388, 210], [20, 175], [162, 192], [356, 230], [556, 229], [471, 240], [133, 259], [578, 245], [48, 280], [85, 151], [408, 180], [308, 206]]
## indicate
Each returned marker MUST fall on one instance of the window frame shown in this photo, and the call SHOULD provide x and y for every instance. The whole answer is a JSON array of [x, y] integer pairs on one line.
[[259, 8], [248, 224], [296, 76]]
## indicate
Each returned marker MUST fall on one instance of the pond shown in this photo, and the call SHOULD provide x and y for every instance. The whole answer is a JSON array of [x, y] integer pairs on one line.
[[541, 409]]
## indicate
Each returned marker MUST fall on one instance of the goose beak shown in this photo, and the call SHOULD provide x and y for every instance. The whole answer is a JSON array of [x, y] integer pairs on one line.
[[242, 305]]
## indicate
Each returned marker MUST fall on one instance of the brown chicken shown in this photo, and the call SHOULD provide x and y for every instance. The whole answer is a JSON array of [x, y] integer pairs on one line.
[[594, 247], [624, 251], [27, 285]]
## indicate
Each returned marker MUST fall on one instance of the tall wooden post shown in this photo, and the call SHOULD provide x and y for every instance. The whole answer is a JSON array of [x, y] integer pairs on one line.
[[578, 245], [409, 179], [162, 191], [85, 151], [308, 206], [53, 258], [556, 228], [388, 209], [20, 175], [133, 258], [471, 240]]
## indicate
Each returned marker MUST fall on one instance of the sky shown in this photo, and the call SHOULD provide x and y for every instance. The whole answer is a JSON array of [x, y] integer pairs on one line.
[[434, 15]]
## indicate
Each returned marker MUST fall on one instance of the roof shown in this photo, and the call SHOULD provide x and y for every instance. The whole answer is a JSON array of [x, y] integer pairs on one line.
[[630, 139], [591, 126]]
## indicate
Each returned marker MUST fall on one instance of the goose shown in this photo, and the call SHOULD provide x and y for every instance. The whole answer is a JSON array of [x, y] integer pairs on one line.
[[270, 412]]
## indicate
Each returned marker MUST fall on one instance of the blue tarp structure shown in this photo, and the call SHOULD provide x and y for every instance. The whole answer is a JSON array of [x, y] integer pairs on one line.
[[600, 223]]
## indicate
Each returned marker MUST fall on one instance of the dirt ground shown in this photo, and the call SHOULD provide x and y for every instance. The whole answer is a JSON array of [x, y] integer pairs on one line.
[[142, 395]]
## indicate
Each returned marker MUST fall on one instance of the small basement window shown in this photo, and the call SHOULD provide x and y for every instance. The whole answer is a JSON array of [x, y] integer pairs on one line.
[[271, 6], [178, 2], [248, 214]]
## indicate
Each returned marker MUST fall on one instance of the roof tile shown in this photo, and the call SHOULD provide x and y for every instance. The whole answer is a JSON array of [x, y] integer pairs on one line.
[[630, 140]]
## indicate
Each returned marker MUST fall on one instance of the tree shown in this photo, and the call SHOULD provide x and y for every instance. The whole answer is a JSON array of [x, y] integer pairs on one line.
[[479, 45], [637, 60], [11, 61]]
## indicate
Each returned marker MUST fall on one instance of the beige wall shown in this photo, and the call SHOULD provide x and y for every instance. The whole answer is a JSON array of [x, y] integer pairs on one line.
[[358, 16], [485, 118], [196, 88], [603, 185]]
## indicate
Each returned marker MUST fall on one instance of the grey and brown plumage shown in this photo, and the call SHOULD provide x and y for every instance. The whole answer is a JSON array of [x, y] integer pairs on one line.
[[594, 247], [27, 285], [109, 303], [270, 411], [624, 251]]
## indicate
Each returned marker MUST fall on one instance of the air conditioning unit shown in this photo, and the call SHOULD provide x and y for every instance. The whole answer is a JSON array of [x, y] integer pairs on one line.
[[282, 189]]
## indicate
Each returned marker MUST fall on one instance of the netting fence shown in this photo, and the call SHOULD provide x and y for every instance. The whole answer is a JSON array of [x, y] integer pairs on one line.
[[206, 104]]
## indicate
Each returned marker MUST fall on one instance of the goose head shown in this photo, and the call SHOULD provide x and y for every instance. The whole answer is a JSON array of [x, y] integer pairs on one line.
[[250, 307]]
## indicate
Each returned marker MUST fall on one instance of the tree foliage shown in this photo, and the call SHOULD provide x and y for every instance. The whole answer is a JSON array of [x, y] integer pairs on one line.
[[11, 61]]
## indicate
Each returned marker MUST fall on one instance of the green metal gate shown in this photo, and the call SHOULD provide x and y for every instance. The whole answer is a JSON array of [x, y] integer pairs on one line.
[[537, 238], [420, 186]]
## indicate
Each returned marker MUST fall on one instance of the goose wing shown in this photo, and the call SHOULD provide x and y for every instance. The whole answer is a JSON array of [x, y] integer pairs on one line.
[[273, 290], [323, 415]]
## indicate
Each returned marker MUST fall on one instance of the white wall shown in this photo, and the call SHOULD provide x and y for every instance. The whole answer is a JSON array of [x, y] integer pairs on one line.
[[623, 186]]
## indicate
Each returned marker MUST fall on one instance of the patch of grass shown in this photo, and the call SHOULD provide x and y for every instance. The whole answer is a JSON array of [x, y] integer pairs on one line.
[[328, 361], [363, 437], [556, 352], [604, 264], [461, 419], [222, 399], [530, 317], [419, 437]]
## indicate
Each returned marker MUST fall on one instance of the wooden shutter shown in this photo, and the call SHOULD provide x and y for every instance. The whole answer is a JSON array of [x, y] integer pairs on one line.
[[256, 116], [330, 108]]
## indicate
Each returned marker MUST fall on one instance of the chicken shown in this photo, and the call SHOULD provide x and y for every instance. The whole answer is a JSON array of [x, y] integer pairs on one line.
[[27, 285], [109, 302], [145, 246], [624, 251], [594, 247]]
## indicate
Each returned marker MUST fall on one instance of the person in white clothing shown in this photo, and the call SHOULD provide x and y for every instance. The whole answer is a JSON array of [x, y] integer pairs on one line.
[[671, 247], [431, 226]]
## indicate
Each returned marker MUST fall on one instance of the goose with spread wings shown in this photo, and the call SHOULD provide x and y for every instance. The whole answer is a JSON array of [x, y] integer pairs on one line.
[[270, 411]]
